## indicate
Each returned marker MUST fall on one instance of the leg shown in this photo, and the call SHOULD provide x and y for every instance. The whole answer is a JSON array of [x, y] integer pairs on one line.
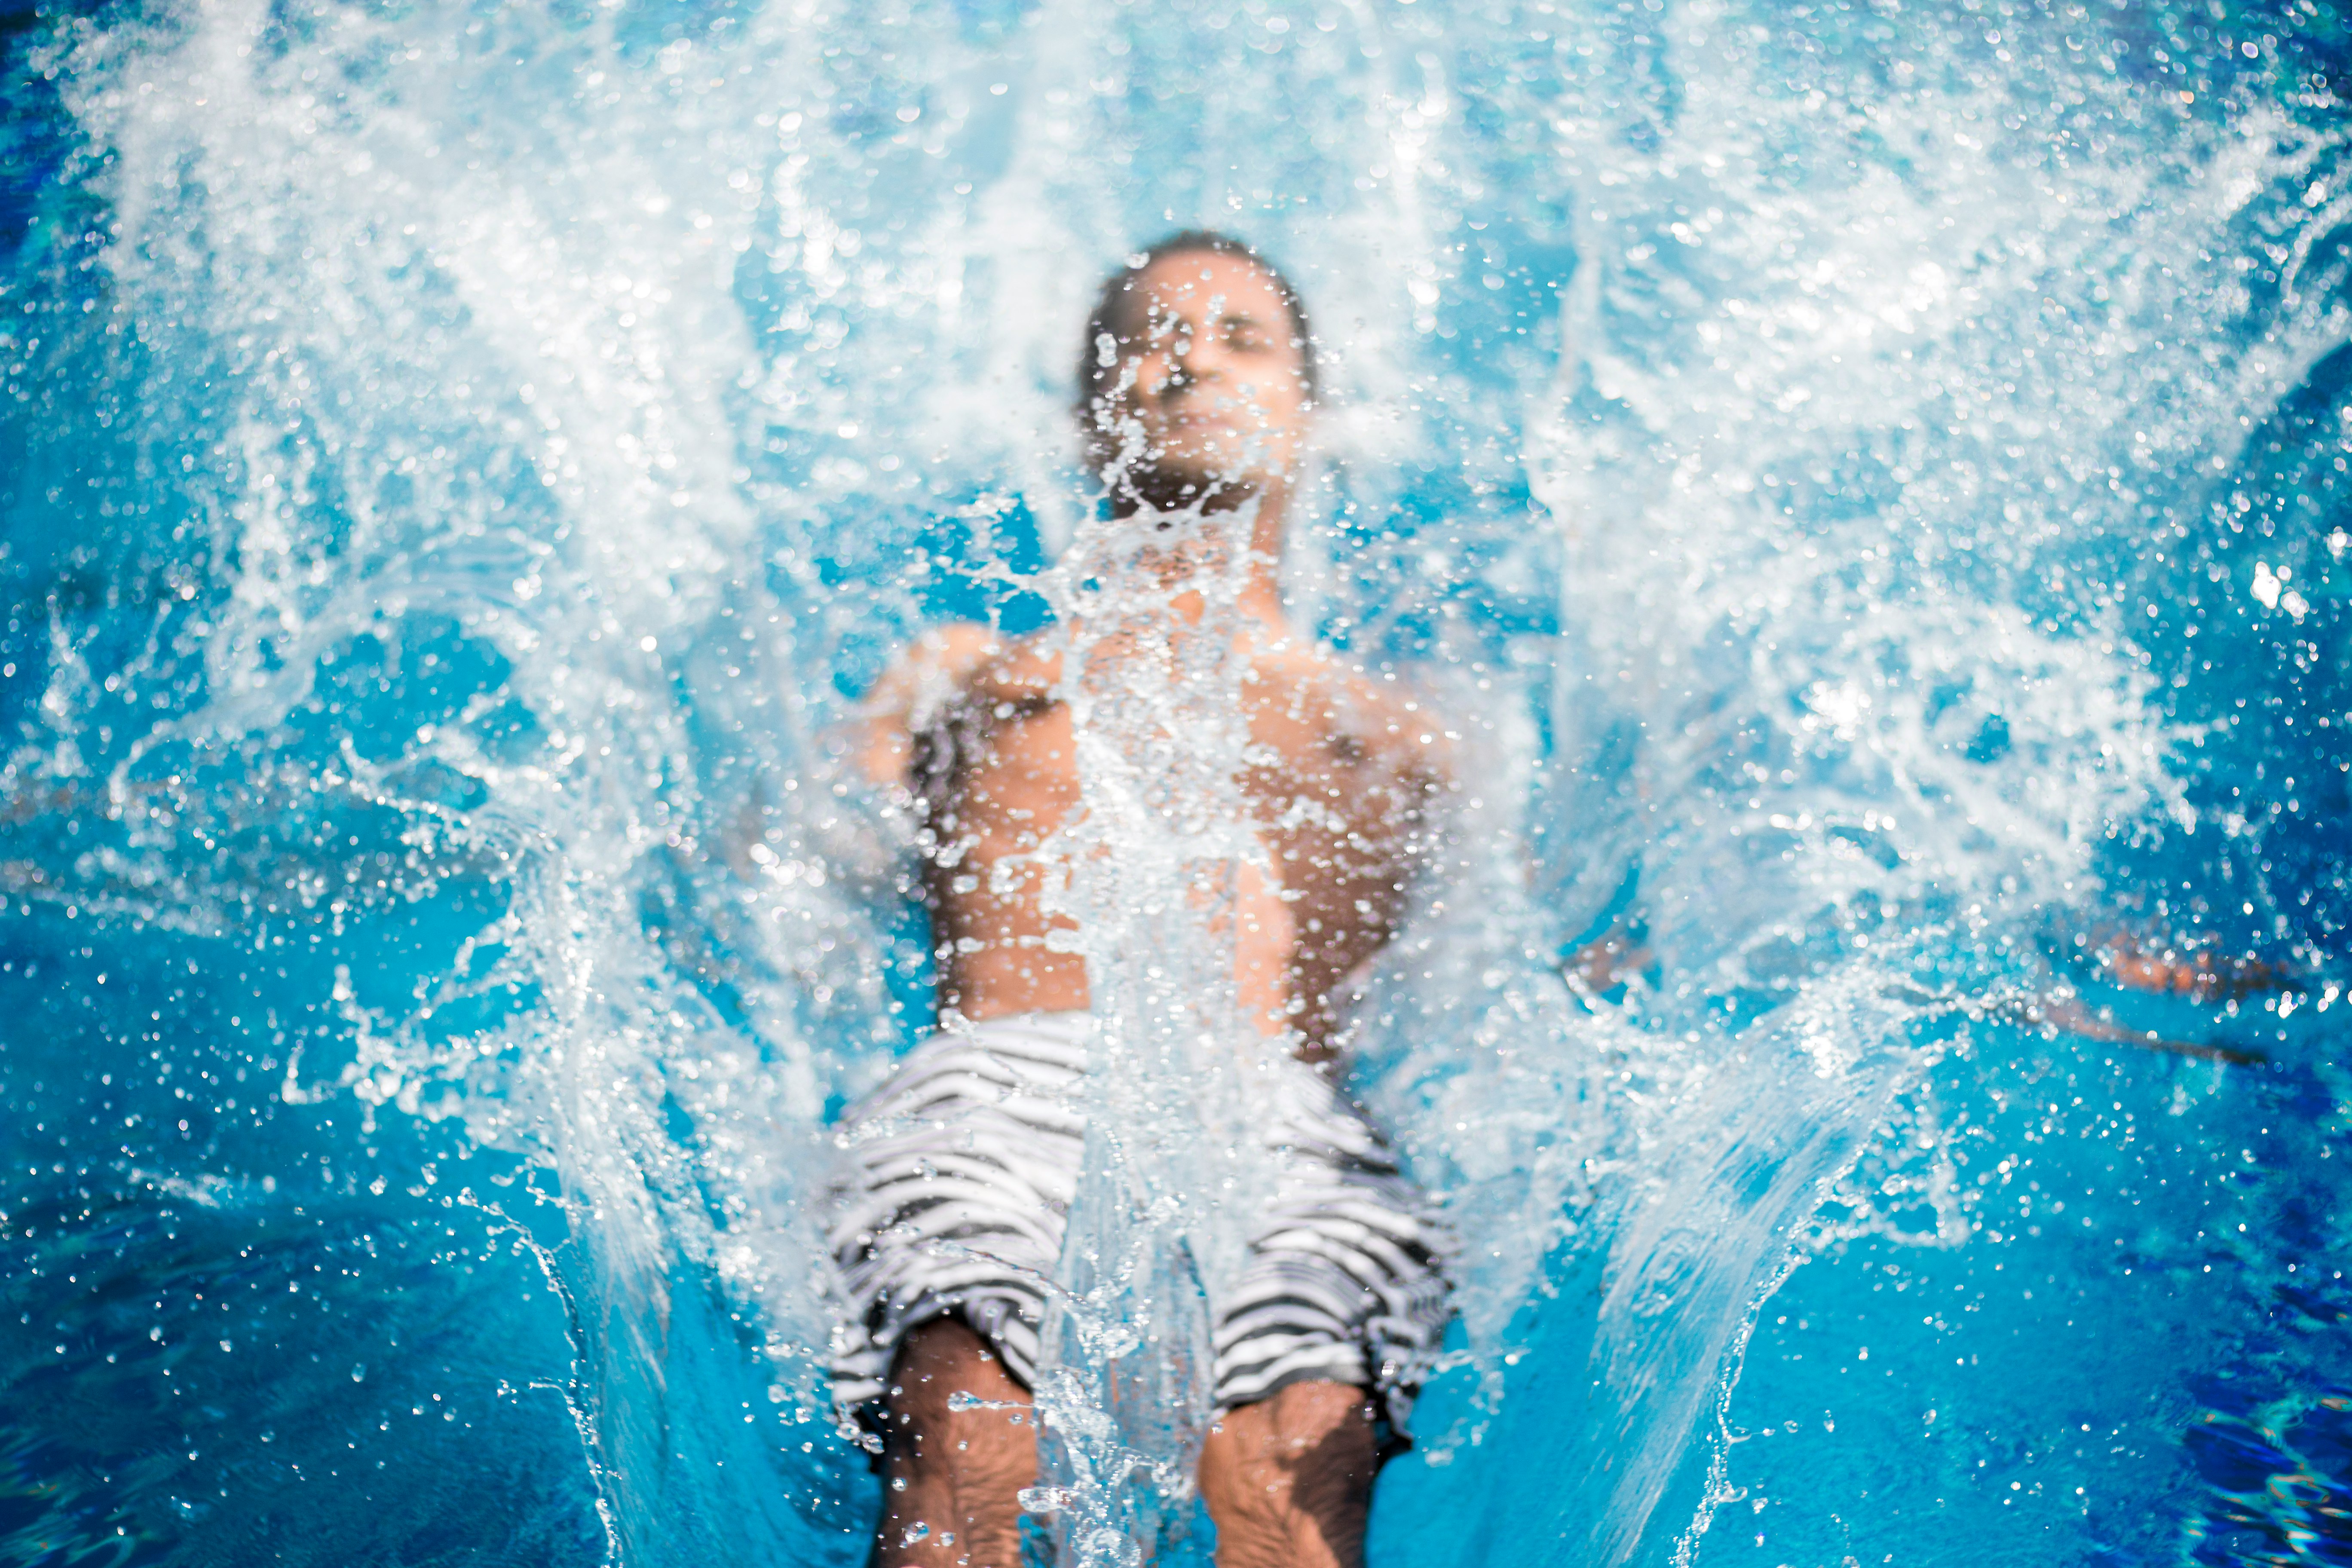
[[1289, 1479], [951, 1475]]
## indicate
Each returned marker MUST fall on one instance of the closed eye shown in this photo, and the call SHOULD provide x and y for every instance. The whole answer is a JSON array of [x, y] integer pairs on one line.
[[1247, 334]]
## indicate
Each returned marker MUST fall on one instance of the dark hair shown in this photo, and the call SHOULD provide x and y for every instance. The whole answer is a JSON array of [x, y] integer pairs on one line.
[[1111, 304]]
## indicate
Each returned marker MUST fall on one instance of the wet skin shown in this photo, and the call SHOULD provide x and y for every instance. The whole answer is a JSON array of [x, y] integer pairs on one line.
[[1210, 413], [1345, 768]]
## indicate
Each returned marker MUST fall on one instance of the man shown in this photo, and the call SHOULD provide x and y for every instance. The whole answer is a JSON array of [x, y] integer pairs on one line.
[[1198, 382]]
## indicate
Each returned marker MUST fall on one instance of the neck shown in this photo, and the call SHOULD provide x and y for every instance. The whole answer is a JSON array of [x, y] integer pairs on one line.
[[1261, 595]]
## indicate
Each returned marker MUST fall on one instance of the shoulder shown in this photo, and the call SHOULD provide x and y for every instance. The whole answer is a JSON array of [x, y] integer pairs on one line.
[[930, 669], [1023, 672], [937, 678]]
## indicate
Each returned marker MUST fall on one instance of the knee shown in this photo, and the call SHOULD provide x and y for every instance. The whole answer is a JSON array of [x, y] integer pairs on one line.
[[952, 1407], [1310, 1446], [945, 1358]]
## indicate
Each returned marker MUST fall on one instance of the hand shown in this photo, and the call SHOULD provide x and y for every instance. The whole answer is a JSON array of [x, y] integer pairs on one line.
[[2202, 976], [1607, 961]]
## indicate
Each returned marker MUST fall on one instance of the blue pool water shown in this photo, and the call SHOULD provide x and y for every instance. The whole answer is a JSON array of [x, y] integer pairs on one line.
[[1869, 482]]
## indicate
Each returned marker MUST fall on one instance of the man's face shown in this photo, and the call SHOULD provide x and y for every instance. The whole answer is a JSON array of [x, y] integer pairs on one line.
[[1215, 381]]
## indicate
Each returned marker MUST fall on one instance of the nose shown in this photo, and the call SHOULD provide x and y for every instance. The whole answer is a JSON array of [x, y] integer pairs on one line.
[[1195, 357], [1201, 355]]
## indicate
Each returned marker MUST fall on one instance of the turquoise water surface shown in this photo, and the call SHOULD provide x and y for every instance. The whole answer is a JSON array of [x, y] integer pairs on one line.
[[1867, 479]]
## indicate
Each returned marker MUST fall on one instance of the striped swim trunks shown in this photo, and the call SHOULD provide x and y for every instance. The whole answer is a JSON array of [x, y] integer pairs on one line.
[[958, 1180]]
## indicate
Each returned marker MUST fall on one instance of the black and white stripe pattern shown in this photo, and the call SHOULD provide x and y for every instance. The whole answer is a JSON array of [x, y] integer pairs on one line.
[[960, 1171]]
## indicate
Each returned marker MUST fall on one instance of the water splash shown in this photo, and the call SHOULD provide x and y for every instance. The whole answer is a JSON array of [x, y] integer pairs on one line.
[[462, 463]]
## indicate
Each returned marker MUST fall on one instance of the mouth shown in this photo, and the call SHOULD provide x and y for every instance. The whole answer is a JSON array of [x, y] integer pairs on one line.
[[1200, 410], [1212, 435]]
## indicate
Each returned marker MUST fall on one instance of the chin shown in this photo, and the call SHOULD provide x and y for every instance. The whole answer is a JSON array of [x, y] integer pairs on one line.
[[1180, 486], [1223, 466], [1223, 491]]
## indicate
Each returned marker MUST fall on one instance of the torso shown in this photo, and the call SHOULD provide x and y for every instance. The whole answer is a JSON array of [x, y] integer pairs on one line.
[[1343, 770]]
